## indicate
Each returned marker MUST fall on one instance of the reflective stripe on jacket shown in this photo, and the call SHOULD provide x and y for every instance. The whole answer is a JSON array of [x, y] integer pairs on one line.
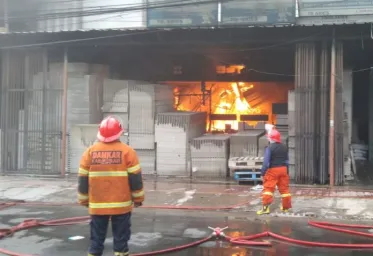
[[110, 179]]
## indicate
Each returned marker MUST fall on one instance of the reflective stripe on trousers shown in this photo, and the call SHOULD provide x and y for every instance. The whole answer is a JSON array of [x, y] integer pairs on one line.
[[276, 176], [268, 193]]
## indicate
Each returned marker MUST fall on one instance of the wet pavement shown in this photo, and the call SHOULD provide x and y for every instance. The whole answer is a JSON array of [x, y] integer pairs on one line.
[[340, 203], [161, 229], [155, 229]]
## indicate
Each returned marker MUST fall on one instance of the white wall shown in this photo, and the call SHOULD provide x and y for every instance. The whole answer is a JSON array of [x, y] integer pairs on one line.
[[58, 11], [347, 102], [116, 20], [347, 99]]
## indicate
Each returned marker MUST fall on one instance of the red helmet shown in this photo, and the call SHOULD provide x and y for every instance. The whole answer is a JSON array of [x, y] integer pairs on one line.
[[274, 135], [110, 130]]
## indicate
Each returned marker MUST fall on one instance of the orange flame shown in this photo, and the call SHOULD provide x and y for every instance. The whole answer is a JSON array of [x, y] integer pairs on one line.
[[234, 102], [227, 98]]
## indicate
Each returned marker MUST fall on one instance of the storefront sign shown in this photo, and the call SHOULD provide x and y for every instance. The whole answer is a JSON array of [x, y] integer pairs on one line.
[[258, 12], [309, 8], [189, 13], [335, 20]]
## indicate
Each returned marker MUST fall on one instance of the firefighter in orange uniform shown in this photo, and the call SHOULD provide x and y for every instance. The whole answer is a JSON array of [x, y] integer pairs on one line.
[[110, 185], [274, 172]]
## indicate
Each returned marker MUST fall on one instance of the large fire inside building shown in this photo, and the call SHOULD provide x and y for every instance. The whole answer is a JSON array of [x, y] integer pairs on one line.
[[190, 101], [231, 103], [187, 115]]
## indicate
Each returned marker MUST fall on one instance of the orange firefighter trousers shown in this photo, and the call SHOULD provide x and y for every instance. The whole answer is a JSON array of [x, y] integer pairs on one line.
[[276, 176]]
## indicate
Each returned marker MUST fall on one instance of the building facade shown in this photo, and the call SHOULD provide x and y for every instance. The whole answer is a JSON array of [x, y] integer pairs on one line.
[[312, 45]]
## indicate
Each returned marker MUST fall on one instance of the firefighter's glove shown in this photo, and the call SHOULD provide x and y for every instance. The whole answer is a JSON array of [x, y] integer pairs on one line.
[[138, 204]]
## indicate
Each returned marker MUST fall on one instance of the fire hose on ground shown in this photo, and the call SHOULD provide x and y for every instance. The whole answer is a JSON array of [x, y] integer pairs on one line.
[[217, 233]]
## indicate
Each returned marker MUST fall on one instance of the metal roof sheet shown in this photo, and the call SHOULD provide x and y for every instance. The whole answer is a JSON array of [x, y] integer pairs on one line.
[[80, 30], [180, 28]]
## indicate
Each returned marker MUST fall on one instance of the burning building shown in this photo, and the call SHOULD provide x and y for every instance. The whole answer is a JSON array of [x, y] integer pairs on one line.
[[220, 88], [229, 103]]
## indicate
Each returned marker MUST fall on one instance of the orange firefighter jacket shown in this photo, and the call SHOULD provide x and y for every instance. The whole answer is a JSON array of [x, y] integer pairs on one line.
[[110, 179]]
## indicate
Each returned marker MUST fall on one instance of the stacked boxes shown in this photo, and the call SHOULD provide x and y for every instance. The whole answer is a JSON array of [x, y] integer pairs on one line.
[[209, 156], [245, 143], [141, 118], [84, 95], [80, 138], [84, 101], [146, 100], [80, 97], [262, 144], [147, 160], [282, 124], [135, 104], [173, 133], [115, 102]]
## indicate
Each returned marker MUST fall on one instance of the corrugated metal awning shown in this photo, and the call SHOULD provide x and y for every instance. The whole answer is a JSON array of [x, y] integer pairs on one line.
[[186, 36], [75, 31]]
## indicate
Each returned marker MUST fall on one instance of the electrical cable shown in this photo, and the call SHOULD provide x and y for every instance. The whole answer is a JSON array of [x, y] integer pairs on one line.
[[275, 45], [282, 74], [181, 2], [52, 27], [80, 40], [119, 35], [144, 7], [99, 10], [80, 11], [293, 75], [102, 9], [160, 31], [155, 31]]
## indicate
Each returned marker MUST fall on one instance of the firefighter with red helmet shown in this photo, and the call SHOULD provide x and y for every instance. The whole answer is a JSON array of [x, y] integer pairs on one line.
[[110, 185], [274, 173]]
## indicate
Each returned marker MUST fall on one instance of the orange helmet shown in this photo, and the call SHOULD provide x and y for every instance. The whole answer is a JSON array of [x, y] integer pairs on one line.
[[110, 130], [274, 135]]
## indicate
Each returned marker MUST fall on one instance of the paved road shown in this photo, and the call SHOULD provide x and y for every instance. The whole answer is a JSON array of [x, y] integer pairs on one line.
[[160, 229]]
